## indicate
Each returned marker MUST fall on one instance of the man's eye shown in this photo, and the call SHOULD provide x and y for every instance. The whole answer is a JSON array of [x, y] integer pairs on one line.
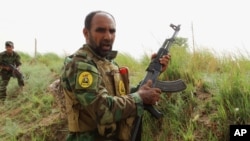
[[100, 30], [103, 30], [112, 31]]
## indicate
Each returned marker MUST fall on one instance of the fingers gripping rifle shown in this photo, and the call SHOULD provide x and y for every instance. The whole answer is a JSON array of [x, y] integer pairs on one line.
[[153, 72], [16, 73]]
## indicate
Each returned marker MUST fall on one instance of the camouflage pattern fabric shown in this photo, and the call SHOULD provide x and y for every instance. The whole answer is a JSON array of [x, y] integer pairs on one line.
[[13, 59], [81, 137], [93, 103]]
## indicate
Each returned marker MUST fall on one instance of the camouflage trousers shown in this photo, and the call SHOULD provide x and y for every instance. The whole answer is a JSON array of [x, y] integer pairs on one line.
[[79, 137], [3, 86], [4, 81], [87, 136]]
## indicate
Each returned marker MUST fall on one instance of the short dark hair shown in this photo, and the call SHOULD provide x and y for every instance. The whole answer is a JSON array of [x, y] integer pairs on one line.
[[9, 43], [90, 16]]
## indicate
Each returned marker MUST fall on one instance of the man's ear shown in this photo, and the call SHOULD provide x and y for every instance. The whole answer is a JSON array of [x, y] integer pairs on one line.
[[85, 33]]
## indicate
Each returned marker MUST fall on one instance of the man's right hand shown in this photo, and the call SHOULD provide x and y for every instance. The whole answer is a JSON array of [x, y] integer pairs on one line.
[[6, 68], [148, 94]]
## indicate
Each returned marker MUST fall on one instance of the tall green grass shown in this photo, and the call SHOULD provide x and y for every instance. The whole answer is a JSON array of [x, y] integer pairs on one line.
[[217, 96], [24, 108]]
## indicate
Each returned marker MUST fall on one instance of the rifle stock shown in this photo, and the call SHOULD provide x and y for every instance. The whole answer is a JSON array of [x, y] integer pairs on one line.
[[153, 71]]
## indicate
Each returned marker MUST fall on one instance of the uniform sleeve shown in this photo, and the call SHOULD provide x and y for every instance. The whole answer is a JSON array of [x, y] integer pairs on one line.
[[85, 83], [18, 60], [111, 109], [1, 58]]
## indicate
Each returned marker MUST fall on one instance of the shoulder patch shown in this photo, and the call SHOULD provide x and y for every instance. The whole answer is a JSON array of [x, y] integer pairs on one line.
[[122, 88], [85, 79]]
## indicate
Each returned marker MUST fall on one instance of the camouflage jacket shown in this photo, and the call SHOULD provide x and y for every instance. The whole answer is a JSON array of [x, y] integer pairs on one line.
[[13, 59], [93, 93]]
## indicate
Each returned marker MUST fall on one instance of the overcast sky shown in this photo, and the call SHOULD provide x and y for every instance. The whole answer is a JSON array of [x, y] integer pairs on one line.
[[142, 25]]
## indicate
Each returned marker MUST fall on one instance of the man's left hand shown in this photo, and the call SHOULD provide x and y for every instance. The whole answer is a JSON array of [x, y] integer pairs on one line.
[[164, 60]]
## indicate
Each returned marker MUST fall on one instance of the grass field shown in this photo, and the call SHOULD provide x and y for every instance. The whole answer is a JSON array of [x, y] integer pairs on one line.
[[217, 96]]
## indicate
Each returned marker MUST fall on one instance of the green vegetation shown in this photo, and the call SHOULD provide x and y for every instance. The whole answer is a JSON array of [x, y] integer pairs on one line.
[[217, 96]]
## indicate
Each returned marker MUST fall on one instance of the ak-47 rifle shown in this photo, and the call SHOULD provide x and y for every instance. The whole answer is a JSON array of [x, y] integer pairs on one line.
[[153, 72], [16, 73]]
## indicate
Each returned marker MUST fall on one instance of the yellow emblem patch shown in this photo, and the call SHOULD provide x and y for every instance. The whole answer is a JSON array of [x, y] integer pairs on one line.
[[85, 79], [121, 88]]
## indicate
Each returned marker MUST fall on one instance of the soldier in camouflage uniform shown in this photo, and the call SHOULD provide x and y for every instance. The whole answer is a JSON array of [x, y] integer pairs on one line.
[[99, 104], [9, 56]]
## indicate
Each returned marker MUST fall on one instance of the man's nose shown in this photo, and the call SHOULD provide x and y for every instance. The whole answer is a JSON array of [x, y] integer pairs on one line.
[[108, 35]]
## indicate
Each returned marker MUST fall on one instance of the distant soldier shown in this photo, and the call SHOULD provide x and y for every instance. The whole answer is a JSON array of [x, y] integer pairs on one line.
[[8, 58]]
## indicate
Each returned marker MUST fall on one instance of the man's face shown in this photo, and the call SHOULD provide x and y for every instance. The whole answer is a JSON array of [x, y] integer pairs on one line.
[[9, 49], [102, 34]]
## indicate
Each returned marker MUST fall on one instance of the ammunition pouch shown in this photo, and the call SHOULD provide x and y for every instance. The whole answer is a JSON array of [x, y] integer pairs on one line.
[[107, 130], [125, 128], [122, 129]]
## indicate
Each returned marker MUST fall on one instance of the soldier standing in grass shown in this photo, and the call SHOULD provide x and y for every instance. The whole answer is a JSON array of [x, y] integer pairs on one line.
[[99, 104], [9, 56]]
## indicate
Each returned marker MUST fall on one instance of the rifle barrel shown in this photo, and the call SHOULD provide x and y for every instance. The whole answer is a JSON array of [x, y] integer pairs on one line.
[[168, 42], [153, 71]]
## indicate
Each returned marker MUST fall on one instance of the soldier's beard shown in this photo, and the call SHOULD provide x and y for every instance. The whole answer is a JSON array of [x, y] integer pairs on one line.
[[102, 49]]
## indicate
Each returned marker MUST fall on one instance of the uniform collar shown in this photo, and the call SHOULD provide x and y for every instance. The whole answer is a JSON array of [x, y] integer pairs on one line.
[[9, 54]]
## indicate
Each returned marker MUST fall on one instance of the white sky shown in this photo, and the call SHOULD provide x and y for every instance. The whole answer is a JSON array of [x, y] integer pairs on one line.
[[142, 25]]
